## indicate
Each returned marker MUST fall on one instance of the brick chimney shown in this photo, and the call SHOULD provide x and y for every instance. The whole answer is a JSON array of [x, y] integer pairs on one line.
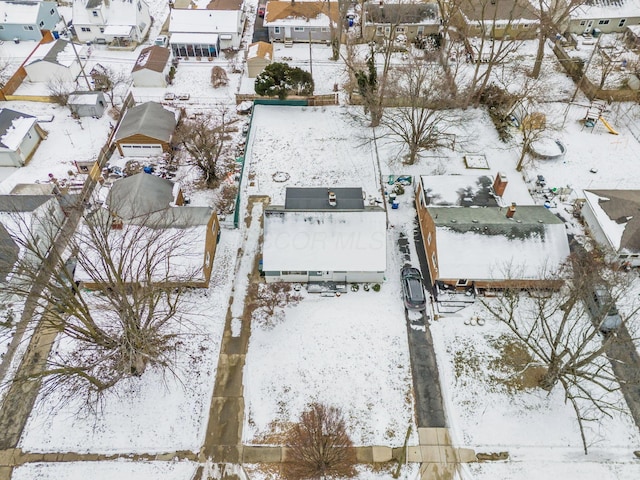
[[500, 184], [511, 211]]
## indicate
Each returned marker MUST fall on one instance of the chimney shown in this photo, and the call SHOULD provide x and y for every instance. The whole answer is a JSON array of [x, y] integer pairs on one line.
[[333, 201], [500, 184], [511, 211]]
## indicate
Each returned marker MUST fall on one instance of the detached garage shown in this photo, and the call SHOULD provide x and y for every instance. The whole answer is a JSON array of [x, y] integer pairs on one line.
[[145, 131]]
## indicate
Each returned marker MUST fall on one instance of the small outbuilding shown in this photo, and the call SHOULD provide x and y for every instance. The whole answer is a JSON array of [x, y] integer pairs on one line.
[[152, 67], [87, 104], [20, 136], [259, 55], [146, 130]]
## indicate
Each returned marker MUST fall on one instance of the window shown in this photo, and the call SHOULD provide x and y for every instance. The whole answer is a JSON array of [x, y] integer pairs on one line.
[[298, 29], [401, 29], [623, 256], [41, 24], [524, 25], [276, 30], [28, 27], [95, 13], [139, 7], [583, 23], [603, 22], [420, 30], [622, 22], [324, 29], [85, 29], [433, 261], [101, 29], [292, 272], [52, 12], [1, 27], [379, 30], [429, 239]]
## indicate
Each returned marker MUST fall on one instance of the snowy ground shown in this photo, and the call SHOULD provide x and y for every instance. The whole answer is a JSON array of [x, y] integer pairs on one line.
[[122, 470], [155, 413]]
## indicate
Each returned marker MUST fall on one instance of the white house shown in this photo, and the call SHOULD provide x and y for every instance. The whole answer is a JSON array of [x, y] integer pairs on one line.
[[605, 16], [27, 20], [612, 219], [311, 21], [111, 21], [203, 32], [152, 67], [53, 61], [322, 235], [20, 135]]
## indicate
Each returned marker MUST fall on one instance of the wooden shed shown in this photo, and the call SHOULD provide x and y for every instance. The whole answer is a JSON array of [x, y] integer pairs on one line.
[[259, 55]]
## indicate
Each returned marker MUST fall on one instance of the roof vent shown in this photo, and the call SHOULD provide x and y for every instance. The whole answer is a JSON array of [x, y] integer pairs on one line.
[[333, 201]]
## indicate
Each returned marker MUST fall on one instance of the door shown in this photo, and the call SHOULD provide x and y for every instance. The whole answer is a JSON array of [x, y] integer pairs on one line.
[[588, 27], [287, 32]]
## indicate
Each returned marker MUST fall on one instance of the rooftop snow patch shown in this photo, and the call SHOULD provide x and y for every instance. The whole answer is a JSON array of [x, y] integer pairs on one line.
[[325, 240]]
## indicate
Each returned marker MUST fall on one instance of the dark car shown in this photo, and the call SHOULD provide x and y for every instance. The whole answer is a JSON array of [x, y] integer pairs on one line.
[[603, 311], [413, 289]]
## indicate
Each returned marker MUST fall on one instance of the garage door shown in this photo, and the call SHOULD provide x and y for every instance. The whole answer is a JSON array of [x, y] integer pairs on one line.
[[133, 150]]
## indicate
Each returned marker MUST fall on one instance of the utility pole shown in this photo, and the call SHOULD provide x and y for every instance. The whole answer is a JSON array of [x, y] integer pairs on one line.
[[310, 56], [75, 51]]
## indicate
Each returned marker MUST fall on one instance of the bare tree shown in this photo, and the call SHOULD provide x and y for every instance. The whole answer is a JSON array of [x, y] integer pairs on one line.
[[553, 17], [269, 299], [206, 139], [5, 72], [607, 60], [319, 446], [565, 338], [423, 118], [109, 81], [129, 320], [59, 91], [219, 77]]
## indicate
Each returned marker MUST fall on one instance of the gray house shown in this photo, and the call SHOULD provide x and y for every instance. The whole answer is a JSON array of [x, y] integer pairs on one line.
[[20, 135], [290, 22], [324, 234], [411, 21], [87, 104], [25, 20]]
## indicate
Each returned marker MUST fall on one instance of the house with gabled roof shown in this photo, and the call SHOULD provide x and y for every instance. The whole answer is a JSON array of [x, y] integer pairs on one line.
[[55, 60], [87, 104], [485, 233], [607, 16], [111, 21], [146, 130], [29, 225], [496, 19], [411, 21], [25, 20], [611, 217], [152, 67], [144, 208], [204, 32], [20, 136], [324, 235], [304, 22]]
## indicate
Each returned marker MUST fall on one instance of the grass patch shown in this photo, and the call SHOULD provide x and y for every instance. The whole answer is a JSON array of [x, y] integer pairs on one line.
[[515, 367]]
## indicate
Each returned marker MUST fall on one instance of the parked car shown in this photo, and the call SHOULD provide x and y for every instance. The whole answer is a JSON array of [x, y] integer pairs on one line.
[[262, 8], [603, 310], [161, 41], [413, 289]]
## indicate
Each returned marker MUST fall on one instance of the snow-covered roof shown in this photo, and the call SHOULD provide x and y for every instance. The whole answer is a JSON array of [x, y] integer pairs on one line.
[[13, 128], [498, 11], [472, 190], [84, 98], [195, 38], [483, 244], [118, 30], [140, 195], [59, 51], [203, 21], [116, 12], [402, 14], [325, 240], [603, 9], [24, 13], [152, 58], [306, 14], [616, 212], [150, 119], [260, 50]]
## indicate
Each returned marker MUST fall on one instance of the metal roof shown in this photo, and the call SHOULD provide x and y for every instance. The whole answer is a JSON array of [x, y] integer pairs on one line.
[[317, 198], [22, 203]]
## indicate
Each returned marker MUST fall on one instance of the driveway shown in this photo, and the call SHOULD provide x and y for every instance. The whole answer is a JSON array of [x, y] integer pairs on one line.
[[260, 32]]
